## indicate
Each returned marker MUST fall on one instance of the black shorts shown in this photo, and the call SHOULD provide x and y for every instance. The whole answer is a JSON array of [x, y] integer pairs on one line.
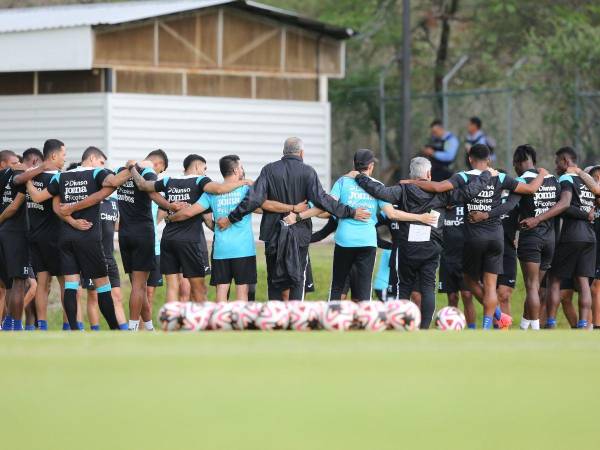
[[15, 256], [309, 284], [509, 267], [451, 278], [114, 278], [574, 259], [185, 257], [537, 250], [566, 284], [137, 252], [483, 256], [85, 257], [242, 270], [155, 278], [45, 257]]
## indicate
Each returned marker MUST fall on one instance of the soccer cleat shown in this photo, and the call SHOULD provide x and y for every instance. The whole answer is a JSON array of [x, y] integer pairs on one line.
[[504, 322]]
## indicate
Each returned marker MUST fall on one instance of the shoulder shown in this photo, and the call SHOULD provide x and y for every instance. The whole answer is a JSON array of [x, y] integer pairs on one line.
[[566, 178]]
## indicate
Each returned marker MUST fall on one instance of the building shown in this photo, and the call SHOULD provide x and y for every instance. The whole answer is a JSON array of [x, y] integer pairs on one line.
[[212, 77]]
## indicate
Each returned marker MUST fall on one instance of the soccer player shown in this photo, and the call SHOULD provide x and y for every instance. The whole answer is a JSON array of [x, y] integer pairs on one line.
[[484, 241], [44, 227], [382, 276], [451, 266], [183, 245], [356, 240], [575, 254], [417, 248], [595, 174], [81, 251], [155, 278]]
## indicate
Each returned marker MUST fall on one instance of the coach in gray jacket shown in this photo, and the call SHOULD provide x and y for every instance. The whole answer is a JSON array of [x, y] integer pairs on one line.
[[288, 181]]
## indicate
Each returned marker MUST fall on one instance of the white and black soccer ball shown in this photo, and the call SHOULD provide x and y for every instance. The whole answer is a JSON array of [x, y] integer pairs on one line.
[[450, 318], [338, 315], [196, 316], [371, 316], [403, 315], [221, 317], [170, 316], [243, 317], [274, 315], [303, 315]]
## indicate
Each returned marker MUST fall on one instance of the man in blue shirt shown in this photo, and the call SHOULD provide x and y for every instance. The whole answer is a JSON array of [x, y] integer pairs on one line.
[[442, 151], [356, 240], [234, 252]]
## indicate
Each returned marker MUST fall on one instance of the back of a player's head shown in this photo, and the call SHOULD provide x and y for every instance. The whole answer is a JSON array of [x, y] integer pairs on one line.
[[293, 146], [6, 155], [51, 146], [479, 152], [475, 121], [158, 153], [568, 153], [419, 168], [191, 159], [32, 154], [523, 153], [228, 164], [93, 152], [435, 123]]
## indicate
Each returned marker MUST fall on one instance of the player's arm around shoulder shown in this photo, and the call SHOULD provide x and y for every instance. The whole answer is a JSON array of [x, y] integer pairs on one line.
[[13, 207]]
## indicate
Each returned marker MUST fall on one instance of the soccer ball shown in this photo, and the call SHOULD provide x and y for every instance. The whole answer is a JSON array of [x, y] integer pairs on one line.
[[303, 316], [220, 320], [403, 315], [450, 318], [371, 316], [338, 315], [170, 316], [274, 315], [243, 317], [196, 316], [320, 307]]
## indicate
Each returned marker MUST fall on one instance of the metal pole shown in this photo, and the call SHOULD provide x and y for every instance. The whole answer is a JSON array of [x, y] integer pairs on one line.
[[406, 109], [509, 107], [577, 112], [461, 62], [382, 115]]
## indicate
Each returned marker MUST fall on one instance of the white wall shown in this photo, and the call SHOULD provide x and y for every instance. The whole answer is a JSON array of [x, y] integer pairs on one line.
[[213, 127], [79, 120], [55, 49]]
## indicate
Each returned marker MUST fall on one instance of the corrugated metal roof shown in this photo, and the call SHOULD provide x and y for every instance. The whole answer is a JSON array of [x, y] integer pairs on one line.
[[64, 16]]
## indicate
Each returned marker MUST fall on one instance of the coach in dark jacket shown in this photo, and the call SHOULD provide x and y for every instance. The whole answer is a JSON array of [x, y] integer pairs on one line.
[[288, 181]]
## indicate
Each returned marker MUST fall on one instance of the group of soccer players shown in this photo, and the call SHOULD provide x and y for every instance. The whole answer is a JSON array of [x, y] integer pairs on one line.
[[474, 226]]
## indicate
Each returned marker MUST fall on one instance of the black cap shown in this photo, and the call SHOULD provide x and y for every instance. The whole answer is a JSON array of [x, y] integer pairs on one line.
[[363, 157]]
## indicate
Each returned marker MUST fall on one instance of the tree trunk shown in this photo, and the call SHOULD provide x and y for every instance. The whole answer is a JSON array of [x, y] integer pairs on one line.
[[448, 10]]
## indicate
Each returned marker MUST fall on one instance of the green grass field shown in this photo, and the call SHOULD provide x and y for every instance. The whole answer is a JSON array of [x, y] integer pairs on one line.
[[284, 390]]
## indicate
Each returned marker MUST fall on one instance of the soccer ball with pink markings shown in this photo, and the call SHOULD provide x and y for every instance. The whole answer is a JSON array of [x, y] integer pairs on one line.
[[338, 315], [303, 316], [450, 318], [403, 315], [371, 316], [221, 317], [244, 316], [196, 316], [170, 316], [274, 315]]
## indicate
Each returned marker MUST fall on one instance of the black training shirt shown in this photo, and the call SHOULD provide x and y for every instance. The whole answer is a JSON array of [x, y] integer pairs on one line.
[[18, 222], [574, 229], [43, 223], [135, 206], [109, 215], [540, 202]]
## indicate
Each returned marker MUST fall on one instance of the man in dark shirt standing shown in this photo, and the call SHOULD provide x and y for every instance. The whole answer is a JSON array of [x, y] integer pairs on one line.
[[291, 182], [484, 241]]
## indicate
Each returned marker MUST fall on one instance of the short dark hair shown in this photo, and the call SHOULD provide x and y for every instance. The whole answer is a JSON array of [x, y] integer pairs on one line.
[[93, 151], [436, 123], [593, 170], [73, 166], [567, 151], [523, 153], [51, 146], [228, 163], [161, 154], [189, 159], [475, 121], [479, 152], [31, 153], [6, 154]]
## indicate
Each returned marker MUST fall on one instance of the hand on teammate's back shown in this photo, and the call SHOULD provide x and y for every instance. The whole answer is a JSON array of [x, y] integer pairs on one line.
[[223, 223], [290, 219], [529, 223], [178, 206], [573, 170], [542, 171], [592, 215], [66, 209], [428, 219], [362, 214], [82, 225], [300, 207], [478, 216], [493, 172]]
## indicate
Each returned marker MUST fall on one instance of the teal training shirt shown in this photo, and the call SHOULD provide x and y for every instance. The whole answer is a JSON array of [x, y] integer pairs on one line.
[[237, 241], [352, 232], [382, 278], [156, 236]]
